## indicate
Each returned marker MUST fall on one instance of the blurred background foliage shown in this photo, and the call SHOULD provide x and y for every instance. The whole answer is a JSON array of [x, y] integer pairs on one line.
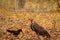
[[40, 5], [24, 9]]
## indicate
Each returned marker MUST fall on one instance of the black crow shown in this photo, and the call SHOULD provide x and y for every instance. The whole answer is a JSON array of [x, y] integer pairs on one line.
[[15, 32]]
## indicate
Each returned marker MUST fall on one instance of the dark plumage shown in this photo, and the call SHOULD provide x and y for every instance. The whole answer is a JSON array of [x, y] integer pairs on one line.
[[15, 32], [39, 29]]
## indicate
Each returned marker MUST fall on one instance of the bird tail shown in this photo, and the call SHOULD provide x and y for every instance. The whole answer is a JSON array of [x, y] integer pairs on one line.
[[48, 36], [9, 31]]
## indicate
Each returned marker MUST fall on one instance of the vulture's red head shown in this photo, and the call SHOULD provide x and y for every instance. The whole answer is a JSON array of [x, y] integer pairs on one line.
[[31, 20]]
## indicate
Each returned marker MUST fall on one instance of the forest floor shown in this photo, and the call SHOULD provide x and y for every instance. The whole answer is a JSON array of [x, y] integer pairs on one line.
[[19, 19]]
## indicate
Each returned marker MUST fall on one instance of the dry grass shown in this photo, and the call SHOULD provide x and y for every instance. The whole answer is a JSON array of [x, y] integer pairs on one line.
[[19, 19]]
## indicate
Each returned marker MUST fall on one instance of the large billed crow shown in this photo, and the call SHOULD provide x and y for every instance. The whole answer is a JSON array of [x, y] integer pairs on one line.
[[15, 32], [38, 29]]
